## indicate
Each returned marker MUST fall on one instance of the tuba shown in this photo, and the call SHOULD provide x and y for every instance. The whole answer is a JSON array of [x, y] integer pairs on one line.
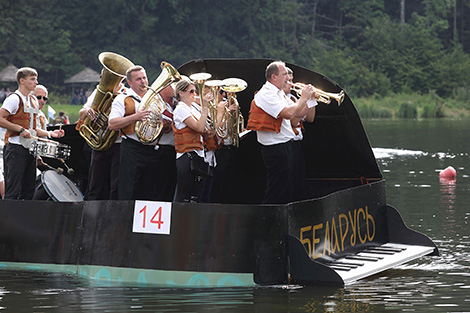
[[235, 123], [96, 132], [148, 131], [322, 96]]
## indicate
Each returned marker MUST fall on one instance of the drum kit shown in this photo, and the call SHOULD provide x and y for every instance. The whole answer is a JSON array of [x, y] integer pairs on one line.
[[52, 183]]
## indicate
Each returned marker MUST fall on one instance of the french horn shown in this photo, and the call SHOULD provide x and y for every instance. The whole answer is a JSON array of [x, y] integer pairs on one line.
[[96, 132], [148, 130]]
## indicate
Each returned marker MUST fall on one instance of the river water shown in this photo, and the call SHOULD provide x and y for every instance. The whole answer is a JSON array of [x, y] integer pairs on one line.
[[410, 154]]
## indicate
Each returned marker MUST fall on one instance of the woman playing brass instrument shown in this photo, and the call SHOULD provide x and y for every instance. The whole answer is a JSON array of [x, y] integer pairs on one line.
[[189, 126]]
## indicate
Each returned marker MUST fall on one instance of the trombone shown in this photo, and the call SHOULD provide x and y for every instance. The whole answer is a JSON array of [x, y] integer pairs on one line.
[[321, 96]]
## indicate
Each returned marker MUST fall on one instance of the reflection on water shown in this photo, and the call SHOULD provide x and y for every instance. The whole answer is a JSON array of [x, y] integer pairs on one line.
[[410, 154]]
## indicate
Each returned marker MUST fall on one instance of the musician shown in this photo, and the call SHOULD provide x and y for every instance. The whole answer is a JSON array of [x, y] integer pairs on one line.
[[211, 145], [18, 116], [166, 145], [103, 172], [41, 93], [188, 129], [138, 168], [298, 128], [225, 157], [270, 116]]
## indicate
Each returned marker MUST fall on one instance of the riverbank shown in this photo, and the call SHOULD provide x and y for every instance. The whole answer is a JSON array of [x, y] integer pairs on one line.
[[414, 106]]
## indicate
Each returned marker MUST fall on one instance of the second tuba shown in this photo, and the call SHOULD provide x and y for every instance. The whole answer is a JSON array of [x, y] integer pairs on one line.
[[148, 130], [96, 132]]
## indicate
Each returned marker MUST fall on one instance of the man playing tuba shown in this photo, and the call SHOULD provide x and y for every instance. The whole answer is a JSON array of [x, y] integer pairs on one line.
[[138, 169]]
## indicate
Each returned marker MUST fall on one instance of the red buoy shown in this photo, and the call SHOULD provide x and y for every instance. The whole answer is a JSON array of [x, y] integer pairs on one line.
[[449, 173]]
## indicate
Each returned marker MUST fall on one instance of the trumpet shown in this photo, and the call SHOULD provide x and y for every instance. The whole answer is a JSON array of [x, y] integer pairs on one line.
[[321, 96]]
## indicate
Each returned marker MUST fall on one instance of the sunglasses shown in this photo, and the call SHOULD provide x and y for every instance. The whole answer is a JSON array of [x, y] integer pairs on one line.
[[40, 97], [192, 91]]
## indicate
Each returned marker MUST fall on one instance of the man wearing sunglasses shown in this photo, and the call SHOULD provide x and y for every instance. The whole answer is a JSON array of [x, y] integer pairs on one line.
[[40, 92]]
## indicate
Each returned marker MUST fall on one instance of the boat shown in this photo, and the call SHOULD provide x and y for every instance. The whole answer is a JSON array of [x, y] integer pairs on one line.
[[345, 231]]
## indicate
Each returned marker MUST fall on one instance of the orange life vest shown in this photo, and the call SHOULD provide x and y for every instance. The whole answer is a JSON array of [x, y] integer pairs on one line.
[[79, 123], [129, 105], [21, 118], [260, 120], [302, 129], [187, 139], [211, 143]]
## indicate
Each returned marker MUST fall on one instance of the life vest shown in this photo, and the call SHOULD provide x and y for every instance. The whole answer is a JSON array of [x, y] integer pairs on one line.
[[21, 118], [211, 143], [129, 105], [42, 121], [79, 123], [187, 139], [260, 120], [301, 125]]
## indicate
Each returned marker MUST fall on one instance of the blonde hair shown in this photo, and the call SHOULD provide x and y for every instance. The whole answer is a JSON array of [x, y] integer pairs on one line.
[[182, 85]]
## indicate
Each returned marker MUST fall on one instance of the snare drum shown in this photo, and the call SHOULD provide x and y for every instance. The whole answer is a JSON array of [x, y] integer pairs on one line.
[[50, 149], [58, 187]]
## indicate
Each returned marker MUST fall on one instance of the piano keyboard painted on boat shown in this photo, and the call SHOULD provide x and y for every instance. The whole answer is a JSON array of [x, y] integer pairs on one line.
[[376, 259]]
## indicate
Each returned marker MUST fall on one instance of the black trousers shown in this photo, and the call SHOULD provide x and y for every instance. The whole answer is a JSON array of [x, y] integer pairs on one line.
[[103, 177], [299, 171], [166, 173], [223, 174], [138, 171], [19, 168], [279, 163], [187, 184]]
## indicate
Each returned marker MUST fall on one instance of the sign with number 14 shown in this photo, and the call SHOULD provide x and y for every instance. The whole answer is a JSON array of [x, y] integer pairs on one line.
[[152, 217]]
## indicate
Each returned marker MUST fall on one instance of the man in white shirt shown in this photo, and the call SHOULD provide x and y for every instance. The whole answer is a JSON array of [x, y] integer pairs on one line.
[[18, 115], [138, 168], [274, 131]]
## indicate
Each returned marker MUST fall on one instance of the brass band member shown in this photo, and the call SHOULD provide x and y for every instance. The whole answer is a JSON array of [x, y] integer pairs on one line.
[[18, 116], [138, 172], [166, 145], [103, 173], [297, 127], [270, 116], [188, 129], [225, 156]]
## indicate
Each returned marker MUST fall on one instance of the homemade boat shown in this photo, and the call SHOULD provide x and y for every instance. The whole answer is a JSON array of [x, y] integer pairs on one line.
[[346, 230]]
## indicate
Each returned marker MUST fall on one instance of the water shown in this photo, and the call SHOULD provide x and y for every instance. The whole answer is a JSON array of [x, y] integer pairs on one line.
[[410, 155]]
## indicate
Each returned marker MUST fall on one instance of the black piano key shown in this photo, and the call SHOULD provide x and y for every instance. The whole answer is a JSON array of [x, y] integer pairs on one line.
[[363, 258]]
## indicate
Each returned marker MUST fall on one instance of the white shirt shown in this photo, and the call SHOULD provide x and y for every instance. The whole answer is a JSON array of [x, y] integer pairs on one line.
[[167, 138], [272, 100], [181, 113], [118, 109], [11, 104], [311, 103]]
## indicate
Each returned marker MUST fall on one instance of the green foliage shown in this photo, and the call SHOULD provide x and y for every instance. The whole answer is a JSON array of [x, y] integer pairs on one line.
[[360, 44]]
